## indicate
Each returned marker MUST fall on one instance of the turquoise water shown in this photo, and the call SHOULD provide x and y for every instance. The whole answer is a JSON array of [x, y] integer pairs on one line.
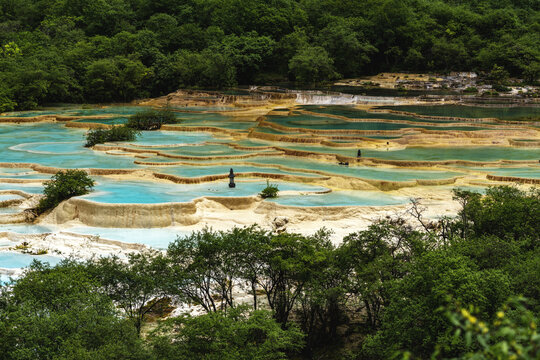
[[118, 110], [158, 238], [146, 192], [21, 174], [480, 153], [25, 228], [5, 197], [455, 153], [354, 113], [9, 210], [204, 108], [225, 124], [111, 121], [505, 113], [203, 150], [194, 171], [342, 198], [524, 172], [326, 123], [29, 113], [364, 172], [13, 260], [54, 145], [58, 146], [29, 188], [171, 137]]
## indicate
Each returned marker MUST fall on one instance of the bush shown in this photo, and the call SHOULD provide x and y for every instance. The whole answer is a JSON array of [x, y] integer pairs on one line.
[[470, 89], [501, 88], [151, 119], [116, 133], [270, 191], [62, 186]]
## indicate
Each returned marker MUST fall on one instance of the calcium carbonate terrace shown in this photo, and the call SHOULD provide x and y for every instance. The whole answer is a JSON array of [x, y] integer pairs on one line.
[[321, 157]]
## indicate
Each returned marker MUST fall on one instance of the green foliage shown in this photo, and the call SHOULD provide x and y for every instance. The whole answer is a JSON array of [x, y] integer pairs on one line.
[[311, 65], [511, 335], [237, 334], [115, 133], [383, 293], [151, 119], [71, 51], [60, 313], [62, 186], [270, 191], [505, 212], [135, 286]]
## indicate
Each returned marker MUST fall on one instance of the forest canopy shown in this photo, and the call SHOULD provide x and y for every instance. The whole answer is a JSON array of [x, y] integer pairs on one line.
[[54, 51], [458, 288]]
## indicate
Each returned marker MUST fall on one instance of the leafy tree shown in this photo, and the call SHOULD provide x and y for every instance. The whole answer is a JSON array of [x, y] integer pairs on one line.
[[59, 313], [115, 133], [375, 259], [412, 320], [237, 334], [488, 215], [114, 79], [311, 65], [203, 268], [289, 262], [64, 185], [151, 119], [135, 285], [346, 46]]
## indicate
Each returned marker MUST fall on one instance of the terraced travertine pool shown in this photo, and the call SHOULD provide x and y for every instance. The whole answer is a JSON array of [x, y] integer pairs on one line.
[[500, 112], [14, 260], [176, 166], [329, 123], [148, 192]]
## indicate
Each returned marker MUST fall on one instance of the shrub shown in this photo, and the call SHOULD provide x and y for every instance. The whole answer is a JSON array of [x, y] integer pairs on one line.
[[501, 88], [116, 133], [151, 119], [471, 89], [64, 185], [270, 191]]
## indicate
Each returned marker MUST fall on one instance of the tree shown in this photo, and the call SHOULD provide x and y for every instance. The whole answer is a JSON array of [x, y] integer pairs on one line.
[[248, 53], [116, 133], [114, 79], [289, 262], [135, 285], [346, 46], [412, 320], [64, 185], [151, 119], [311, 65], [203, 269], [237, 334], [59, 313], [375, 259]]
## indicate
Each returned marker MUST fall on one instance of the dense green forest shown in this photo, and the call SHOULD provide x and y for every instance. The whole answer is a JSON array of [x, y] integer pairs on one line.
[[54, 51], [461, 288]]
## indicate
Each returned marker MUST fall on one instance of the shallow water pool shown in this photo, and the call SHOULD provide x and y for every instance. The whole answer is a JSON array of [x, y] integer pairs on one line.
[[13, 260], [146, 192], [505, 113]]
